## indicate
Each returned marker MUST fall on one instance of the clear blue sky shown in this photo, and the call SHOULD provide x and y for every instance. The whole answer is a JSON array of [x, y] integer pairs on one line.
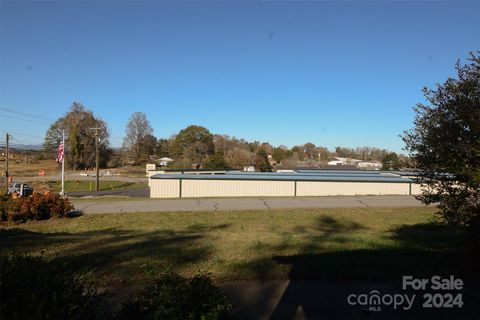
[[345, 73]]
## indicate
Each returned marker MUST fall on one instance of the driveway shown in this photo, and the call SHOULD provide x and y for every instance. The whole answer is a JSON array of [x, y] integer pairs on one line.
[[214, 204]]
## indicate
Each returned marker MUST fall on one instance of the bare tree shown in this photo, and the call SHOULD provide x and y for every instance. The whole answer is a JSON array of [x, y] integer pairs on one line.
[[310, 150], [239, 157], [138, 129]]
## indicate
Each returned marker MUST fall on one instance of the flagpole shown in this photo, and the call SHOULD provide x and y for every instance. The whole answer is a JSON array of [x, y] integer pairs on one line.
[[63, 163]]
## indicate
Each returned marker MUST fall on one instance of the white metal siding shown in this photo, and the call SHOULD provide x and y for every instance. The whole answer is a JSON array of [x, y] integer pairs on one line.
[[416, 188], [162, 188], [170, 188], [236, 188], [305, 188], [151, 173]]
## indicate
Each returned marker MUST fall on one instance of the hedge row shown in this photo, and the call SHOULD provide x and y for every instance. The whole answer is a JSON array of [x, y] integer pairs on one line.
[[35, 207]]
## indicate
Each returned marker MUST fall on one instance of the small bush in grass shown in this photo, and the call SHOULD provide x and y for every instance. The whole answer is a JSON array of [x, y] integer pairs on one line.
[[5, 202], [174, 297], [33, 288], [36, 207]]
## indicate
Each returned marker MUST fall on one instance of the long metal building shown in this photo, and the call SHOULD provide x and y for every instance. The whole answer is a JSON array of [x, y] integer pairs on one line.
[[289, 184]]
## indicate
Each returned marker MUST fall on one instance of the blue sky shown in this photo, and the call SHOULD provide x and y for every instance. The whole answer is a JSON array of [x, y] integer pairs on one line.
[[331, 73]]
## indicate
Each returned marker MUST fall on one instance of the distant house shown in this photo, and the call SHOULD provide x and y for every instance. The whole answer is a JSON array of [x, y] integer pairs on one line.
[[335, 163], [369, 164], [349, 167], [343, 161], [164, 161]]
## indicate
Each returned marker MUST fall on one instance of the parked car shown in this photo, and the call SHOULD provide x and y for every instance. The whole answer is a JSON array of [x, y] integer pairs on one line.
[[22, 189]]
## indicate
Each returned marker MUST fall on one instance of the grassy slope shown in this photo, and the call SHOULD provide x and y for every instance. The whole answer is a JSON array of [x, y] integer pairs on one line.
[[77, 185], [18, 168], [72, 186], [335, 244]]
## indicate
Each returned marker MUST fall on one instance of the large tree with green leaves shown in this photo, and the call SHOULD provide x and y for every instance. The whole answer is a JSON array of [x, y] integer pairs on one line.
[[444, 144], [390, 161], [162, 148], [79, 137], [193, 144], [279, 153]]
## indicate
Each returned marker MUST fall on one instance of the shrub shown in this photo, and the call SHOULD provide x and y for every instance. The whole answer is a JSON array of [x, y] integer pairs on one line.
[[32, 288], [174, 297], [36, 207], [5, 202], [444, 145]]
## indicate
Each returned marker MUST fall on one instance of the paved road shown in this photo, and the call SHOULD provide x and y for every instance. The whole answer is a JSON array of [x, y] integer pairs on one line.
[[207, 204], [134, 193]]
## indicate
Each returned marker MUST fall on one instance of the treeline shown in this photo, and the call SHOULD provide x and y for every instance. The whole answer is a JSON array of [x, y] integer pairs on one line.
[[192, 147]]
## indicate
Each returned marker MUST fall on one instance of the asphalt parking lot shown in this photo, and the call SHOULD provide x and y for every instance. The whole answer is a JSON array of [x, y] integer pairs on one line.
[[219, 204]]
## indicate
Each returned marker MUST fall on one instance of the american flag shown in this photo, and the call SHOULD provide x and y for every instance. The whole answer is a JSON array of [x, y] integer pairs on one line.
[[60, 152]]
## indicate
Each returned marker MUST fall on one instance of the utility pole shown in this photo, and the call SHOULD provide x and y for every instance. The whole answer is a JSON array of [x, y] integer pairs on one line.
[[7, 137], [63, 163], [123, 149], [97, 158]]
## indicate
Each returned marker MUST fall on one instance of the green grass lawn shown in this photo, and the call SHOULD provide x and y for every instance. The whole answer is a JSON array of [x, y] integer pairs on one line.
[[72, 186], [336, 244]]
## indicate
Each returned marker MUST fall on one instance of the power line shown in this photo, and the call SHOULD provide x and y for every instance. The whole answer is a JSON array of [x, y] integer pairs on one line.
[[29, 120], [16, 139], [19, 134], [26, 114], [16, 148], [24, 144], [23, 148], [33, 145]]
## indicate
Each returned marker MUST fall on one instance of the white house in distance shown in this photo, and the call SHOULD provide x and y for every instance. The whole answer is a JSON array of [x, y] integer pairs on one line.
[[164, 161], [335, 163], [343, 161], [359, 163], [377, 165]]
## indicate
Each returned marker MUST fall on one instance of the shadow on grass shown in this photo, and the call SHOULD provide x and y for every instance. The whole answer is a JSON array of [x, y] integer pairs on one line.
[[323, 274], [421, 250], [120, 186], [114, 251], [325, 231], [75, 214]]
